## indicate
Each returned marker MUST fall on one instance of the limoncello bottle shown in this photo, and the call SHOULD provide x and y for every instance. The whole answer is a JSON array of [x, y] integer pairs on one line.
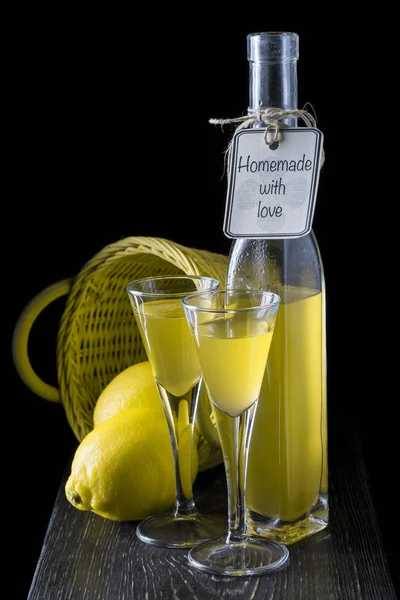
[[287, 479]]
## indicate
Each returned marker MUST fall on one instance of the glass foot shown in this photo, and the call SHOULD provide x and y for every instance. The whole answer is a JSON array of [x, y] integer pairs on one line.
[[180, 532], [250, 556]]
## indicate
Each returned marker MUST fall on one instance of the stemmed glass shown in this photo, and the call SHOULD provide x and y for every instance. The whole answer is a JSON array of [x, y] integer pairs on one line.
[[233, 330], [171, 350]]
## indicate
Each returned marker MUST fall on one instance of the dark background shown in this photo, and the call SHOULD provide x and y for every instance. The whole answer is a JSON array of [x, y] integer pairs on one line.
[[110, 138]]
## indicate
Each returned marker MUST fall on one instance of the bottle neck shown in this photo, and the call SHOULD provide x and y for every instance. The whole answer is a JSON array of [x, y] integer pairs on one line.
[[273, 85]]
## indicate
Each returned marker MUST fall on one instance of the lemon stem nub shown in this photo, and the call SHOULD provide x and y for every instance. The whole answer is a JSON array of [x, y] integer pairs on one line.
[[75, 498]]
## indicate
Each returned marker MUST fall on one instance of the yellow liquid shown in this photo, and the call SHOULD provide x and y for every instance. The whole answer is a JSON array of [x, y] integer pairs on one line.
[[233, 354], [287, 465], [169, 345]]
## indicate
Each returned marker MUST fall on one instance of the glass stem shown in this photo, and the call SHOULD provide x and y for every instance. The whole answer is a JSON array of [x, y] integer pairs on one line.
[[235, 435], [184, 501]]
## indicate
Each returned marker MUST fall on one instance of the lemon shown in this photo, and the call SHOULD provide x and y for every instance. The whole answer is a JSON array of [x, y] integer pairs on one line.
[[205, 419], [132, 388], [123, 469]]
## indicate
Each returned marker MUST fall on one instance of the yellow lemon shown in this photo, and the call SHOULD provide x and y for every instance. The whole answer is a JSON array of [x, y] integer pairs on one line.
[[123, 469], [134, 387], [205, 419]]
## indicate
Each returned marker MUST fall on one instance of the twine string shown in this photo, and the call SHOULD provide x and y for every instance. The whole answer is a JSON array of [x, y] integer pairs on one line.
[[273, 118]]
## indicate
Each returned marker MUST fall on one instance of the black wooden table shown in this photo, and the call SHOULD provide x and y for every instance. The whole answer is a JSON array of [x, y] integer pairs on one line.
[[86, 557]]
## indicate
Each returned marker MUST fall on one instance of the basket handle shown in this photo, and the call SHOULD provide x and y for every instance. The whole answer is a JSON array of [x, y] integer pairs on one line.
[[21, 335]]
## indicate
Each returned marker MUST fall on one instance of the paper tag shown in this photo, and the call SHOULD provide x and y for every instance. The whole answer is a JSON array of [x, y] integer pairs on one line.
[[272, 192]]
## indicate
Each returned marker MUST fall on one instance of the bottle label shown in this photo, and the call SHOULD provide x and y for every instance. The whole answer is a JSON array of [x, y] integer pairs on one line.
[[272, 186]]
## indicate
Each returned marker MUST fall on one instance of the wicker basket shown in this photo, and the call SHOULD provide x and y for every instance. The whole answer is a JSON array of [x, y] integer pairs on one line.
[[98, 337]]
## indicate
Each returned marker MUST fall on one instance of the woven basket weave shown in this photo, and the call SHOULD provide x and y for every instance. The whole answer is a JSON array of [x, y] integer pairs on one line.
[[98, 337]]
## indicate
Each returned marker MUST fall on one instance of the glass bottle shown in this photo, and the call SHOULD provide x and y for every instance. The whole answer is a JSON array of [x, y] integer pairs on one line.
[[287, 481]]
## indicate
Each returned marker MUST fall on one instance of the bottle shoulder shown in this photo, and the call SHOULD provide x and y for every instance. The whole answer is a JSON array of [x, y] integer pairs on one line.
[[252, 249], [270, 262]]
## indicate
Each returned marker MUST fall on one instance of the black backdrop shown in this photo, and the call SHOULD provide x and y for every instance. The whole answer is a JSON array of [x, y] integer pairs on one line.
[[110, 138]]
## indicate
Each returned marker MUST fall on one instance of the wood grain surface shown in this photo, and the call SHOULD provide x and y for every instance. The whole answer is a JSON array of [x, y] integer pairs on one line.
[[86, 557]]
